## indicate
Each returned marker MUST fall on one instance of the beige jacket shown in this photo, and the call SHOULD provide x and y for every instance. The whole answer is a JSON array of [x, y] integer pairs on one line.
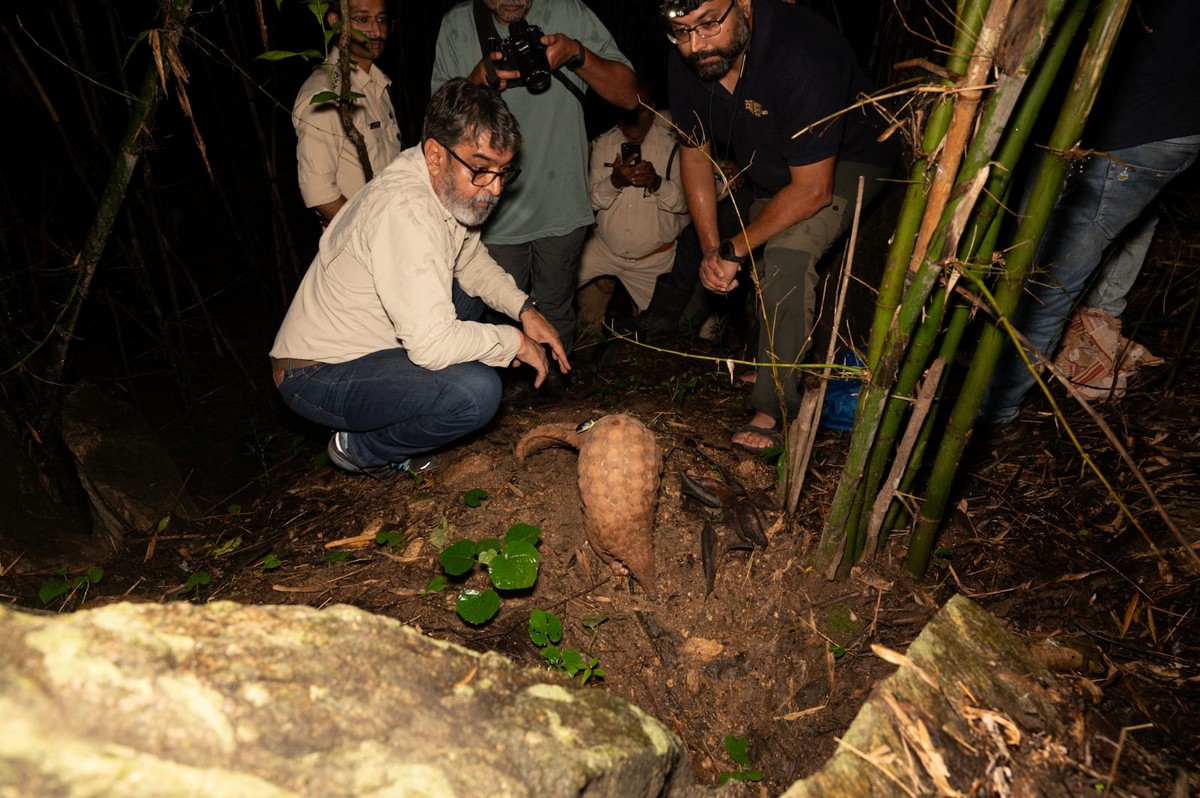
[[382, 279]]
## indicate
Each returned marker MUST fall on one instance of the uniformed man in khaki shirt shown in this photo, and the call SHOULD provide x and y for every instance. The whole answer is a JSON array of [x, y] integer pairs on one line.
[[327, 161]]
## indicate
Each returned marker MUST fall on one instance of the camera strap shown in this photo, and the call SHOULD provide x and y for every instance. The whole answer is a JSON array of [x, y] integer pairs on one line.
[[571, 87], [484, 28], [671, 160]]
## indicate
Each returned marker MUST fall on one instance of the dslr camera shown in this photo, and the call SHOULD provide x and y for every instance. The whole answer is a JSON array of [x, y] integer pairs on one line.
[[524, 52]]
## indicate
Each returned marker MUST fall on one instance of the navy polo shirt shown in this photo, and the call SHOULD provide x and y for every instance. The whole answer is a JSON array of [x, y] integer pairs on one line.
[[799, 69]]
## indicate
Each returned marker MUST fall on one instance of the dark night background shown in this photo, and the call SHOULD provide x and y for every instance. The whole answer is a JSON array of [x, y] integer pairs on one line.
[[199, 268]]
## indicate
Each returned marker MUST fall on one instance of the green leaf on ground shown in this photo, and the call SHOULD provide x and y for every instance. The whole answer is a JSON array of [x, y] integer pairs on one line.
[[458, 557], [516, 567], [544, 627], [477, 607], [435, 585]]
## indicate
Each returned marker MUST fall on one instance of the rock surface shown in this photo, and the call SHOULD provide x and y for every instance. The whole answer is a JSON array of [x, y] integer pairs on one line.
[[224, 699]]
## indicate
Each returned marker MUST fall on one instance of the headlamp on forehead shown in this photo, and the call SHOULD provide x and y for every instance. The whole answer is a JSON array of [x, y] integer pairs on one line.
[[674, 9]]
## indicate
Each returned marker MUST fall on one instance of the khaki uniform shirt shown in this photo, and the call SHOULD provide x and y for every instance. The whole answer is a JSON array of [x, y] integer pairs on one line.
[[326, 160], [631, 221], [382, 279]]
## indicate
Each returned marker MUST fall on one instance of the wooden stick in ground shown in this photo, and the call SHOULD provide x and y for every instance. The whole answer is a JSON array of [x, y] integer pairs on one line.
[[804, 428], [883, 499]]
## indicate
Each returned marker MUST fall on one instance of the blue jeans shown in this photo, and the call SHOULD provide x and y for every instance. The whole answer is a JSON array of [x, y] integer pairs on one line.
[[392, 408], [1102, 204]]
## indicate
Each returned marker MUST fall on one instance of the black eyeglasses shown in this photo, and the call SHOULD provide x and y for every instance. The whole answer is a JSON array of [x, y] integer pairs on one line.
[[363, 21], [705, 30], [485, 177]]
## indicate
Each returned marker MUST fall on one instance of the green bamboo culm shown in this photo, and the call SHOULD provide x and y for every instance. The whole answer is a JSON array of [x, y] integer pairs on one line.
[[1106, 25], [877, 390], [133, 143], [895, 270], [981, 233]]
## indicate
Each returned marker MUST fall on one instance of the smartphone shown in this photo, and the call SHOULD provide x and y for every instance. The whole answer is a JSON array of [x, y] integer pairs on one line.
[[631, 151]]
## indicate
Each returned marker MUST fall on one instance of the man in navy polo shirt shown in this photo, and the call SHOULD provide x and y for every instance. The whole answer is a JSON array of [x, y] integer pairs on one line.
[[746, 78]]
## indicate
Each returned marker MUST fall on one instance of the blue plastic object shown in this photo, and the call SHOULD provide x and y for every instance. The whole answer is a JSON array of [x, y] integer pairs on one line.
[[841, 395]]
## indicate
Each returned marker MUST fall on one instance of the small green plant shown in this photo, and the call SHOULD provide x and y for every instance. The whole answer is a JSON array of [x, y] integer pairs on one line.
[[392, 537], [680, 387], [437, 535], [271, 562], [435, 585], [54, 588], [335, 556], [197, 581], [545, 630], [474, 497], [738, 749], [231, 545], [511, 564], [269, 448]]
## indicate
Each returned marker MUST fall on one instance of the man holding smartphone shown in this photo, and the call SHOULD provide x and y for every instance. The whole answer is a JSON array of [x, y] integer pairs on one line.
[[639, 211]]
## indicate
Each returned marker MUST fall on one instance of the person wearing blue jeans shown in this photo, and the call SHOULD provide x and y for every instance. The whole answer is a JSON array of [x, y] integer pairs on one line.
[[1144, 131], [383, 342]]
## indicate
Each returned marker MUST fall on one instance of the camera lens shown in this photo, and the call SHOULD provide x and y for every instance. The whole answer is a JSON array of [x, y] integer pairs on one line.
[[529, 53]]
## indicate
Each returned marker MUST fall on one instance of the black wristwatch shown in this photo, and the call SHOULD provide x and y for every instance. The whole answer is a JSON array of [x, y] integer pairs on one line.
[[725, 252], [576, 61], [530, 304]]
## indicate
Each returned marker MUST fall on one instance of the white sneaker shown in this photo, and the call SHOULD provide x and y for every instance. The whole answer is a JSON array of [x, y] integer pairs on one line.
[[340, 457]]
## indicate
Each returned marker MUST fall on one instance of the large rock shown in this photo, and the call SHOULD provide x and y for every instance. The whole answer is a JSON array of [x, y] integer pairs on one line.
[[972, 711], [223, 699]]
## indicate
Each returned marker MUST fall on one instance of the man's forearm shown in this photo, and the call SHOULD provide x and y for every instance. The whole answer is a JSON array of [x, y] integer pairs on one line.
[[612, 80], [695, 170], [787, 208]]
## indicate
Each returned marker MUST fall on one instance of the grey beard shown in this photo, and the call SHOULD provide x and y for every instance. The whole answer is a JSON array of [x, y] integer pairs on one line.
[[469, 213]]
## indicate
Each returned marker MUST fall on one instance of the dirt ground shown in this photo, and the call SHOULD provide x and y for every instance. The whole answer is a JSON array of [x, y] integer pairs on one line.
[[774, 651]]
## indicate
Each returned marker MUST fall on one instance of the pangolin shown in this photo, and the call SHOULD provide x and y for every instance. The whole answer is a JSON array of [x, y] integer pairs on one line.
[[620, 463]]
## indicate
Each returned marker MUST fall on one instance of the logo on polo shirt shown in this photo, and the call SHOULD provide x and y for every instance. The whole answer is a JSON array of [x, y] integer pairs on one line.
[[755, 108]]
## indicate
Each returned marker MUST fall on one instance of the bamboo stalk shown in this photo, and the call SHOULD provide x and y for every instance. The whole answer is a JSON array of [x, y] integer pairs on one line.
[[895, 271], [804, 428], [988, 220], [922, 406], [876, 392], [133, 141], [1106, 25], [997, 117]]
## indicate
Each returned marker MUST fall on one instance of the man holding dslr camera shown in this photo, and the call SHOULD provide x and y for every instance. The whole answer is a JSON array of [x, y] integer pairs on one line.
[[537, 234]]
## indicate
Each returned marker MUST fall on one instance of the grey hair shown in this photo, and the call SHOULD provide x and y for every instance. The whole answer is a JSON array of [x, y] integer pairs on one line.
[[462, 111]]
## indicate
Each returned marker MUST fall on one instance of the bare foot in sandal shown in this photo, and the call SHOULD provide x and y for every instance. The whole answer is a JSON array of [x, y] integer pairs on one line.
[[760, 434]]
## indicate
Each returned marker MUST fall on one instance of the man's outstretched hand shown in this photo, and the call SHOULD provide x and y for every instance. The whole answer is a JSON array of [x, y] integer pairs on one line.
[[535, 332]]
